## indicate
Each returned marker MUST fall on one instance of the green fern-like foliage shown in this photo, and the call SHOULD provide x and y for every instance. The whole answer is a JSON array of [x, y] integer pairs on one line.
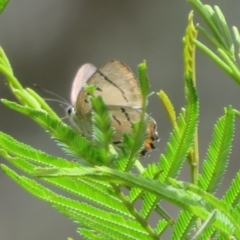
[[97, 174]]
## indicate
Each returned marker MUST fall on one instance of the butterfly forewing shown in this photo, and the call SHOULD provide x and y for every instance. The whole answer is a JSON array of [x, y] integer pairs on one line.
[[116, 84], [83, 74]]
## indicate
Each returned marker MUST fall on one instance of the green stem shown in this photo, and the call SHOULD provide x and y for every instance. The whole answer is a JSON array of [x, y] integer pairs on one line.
[[209, 19], [133, 211], [214, 57], [43, 104], [139, 166], [231, 63], [158, 209], [12, 81]]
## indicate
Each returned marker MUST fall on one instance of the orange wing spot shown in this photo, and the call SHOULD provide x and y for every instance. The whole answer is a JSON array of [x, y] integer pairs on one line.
[[148, 145]]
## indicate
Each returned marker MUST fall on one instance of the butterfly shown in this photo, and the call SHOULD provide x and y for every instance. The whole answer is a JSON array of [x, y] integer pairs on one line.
[[118, 87]]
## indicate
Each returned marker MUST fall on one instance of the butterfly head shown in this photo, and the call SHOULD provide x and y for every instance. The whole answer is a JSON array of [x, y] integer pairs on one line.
[[71, 113], [81, 124]]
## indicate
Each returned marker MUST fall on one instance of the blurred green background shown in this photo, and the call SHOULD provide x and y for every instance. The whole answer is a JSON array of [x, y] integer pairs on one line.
[[47, 41]]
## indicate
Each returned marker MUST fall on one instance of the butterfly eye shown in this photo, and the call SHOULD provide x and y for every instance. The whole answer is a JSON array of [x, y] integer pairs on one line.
[[70, 110]]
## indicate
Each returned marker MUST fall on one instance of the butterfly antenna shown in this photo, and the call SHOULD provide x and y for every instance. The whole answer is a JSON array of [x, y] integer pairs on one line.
[[62, 118], [61, 103], [60, 99]]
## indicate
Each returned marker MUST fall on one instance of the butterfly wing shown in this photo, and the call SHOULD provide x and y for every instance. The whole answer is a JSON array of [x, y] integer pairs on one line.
[[123, 119], [119, 89], [83, 74], [116, 84]]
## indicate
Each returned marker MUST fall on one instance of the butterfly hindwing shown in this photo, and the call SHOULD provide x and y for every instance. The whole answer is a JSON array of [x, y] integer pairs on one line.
[[123, 119]]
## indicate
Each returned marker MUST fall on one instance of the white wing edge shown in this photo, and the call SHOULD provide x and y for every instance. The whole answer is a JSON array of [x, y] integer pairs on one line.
[[83, 74]]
